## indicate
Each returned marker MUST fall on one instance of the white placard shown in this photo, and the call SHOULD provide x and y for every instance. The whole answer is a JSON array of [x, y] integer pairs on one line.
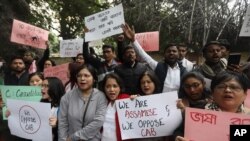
[[148, 116], [105, 23], [70, 48], [245, 29], [28, 120]]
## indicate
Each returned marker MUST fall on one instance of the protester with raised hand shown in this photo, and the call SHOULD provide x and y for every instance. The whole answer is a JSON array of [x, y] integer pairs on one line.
[[103, 67], [169, 71], [130, 70]]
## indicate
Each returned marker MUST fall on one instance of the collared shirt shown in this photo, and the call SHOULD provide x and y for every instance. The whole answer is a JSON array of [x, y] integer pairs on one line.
[[172, 81], [109, 126], [187, 64]]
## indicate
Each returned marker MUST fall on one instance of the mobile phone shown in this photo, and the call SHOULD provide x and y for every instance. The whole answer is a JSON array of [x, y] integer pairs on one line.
[[234, 58]]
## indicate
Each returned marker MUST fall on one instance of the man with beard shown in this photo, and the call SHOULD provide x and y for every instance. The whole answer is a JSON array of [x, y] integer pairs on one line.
[[168, 71], [18, 75], [213, 63], [130, 70]]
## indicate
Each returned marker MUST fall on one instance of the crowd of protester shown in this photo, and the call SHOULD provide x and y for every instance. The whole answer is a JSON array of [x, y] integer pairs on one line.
[[84, 108]]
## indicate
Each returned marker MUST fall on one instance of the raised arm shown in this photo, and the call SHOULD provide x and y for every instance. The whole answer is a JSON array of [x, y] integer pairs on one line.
[[130, 34], [120, 47], [45, 56], [95, 62]]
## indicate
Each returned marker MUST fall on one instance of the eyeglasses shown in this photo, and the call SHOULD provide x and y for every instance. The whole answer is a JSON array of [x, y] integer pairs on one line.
[[194, 85], [231, 87]]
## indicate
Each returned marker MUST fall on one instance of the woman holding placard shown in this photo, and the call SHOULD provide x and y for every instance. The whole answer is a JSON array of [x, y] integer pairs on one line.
[[229, 90], [112, 87], [149, 84], [192, 92], [82, 110]]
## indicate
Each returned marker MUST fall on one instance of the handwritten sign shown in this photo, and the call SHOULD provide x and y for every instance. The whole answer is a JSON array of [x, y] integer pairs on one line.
[[148, 40], [245, 29], [143, 118], [105, 23], [28, 120], [27, 34], [70, 48], [247, 101], [213, 123], [59, 71], [27, 93]]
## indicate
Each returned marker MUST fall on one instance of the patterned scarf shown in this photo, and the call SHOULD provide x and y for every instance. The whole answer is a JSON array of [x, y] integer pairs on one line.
[[213, 106]]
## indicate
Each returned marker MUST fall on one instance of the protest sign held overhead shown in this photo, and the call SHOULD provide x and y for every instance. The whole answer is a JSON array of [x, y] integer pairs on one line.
[[105, 23], [148, 40], [26, 34], [70, 48], [142, 118], [28, 120], [245, 29]]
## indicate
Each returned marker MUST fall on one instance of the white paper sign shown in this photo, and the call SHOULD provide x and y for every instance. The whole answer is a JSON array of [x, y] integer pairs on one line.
[[70, 48], [105, 23], [148, 116], [245, 29], [28, 120]]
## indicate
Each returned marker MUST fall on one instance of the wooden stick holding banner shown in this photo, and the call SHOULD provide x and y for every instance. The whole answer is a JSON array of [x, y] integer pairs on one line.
[[28, 120], [105, 23], [143, 118], [27, 34]]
